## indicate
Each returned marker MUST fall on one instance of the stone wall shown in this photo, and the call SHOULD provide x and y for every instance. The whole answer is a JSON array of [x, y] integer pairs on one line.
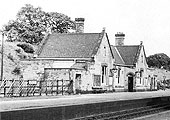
[[34, 70]]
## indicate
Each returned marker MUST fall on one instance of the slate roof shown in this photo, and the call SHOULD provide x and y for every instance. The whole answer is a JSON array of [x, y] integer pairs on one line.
[[126, 54], [118, 59], [80, 66], [73, 45]]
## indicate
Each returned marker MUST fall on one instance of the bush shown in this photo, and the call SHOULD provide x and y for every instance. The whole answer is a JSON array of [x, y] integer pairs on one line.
[[26, 47], [18, 50], [16, 71], [10, 57], [162, 86], [22, 56]]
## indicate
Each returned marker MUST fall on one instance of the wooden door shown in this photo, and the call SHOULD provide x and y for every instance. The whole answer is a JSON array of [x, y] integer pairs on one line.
[[130, 84]]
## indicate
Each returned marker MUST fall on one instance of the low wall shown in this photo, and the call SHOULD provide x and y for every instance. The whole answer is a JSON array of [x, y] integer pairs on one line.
[[76, 111]]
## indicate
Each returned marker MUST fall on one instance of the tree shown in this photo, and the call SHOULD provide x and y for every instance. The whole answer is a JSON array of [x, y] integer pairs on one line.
[[159, 61], [32, 24]]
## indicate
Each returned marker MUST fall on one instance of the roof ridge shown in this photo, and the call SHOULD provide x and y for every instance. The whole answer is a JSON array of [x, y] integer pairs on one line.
[[73, 33]]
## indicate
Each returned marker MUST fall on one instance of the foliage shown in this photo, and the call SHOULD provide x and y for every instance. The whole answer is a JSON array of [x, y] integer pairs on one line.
[[22, 56], [10, 57], [33, 23], [159, 61], [26, 47], [18, 50], [17, 70], [163, 85]]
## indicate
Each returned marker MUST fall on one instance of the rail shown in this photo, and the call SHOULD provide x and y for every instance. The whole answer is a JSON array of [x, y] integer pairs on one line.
[[128, 114]]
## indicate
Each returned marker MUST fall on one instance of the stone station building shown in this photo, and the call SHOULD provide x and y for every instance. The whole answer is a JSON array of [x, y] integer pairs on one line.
[[89, 62]]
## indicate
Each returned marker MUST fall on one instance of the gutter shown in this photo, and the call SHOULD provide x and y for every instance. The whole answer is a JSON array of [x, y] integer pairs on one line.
[[123, 65], [60, 59]]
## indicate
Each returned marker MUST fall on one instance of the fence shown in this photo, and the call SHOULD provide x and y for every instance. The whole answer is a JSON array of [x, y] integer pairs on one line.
[[19, 88]]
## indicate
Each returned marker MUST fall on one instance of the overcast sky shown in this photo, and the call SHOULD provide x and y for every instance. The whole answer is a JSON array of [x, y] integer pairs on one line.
[[140, 20]]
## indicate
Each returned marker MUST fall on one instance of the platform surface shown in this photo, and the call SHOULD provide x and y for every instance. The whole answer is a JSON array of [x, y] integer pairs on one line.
[[8, 104]]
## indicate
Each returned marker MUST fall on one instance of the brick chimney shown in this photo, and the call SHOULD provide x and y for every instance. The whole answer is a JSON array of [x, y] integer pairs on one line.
[[119, 38], [79, 25]]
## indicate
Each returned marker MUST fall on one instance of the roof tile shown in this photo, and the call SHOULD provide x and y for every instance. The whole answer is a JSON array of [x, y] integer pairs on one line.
[[127, 52], [74, 45]]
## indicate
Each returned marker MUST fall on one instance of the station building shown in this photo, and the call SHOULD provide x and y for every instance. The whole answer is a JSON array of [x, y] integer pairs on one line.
[[89, 62], [83, 58], [130, 66]]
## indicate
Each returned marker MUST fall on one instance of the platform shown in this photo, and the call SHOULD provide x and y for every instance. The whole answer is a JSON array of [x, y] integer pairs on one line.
[[58, 105], [47, 101]]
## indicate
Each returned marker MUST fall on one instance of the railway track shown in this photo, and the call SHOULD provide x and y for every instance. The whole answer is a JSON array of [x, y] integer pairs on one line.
[[128, 114]]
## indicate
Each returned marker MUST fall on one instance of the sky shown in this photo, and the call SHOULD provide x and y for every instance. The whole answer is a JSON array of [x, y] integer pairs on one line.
[[139, 20]]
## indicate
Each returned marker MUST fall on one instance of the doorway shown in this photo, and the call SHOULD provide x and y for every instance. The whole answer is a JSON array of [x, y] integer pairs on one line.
[[78, 81], [130, 82]]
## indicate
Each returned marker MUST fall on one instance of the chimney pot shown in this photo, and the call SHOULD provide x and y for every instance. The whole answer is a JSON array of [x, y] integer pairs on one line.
[[79, 19], [119, 38], [141, 42], [79, 25], [104, 29]]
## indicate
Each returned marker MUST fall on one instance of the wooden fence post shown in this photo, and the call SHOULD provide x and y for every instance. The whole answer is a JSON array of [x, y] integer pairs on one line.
[[57, 88], [20, 87], [12, 88], [27, 87], [52, 87], [4, 88], [46, 88], [62, 86], [40, 87]]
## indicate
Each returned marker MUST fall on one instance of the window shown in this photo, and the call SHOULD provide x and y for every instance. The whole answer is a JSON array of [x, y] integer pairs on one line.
[[104, 71], [142, 58], [119, 75], [141, 75], [104, 51], [96, 80], [102, 74]]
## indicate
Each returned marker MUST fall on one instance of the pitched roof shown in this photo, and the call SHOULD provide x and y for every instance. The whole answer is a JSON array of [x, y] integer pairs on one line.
[[126, 54], [118, 58], [73, 45]]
